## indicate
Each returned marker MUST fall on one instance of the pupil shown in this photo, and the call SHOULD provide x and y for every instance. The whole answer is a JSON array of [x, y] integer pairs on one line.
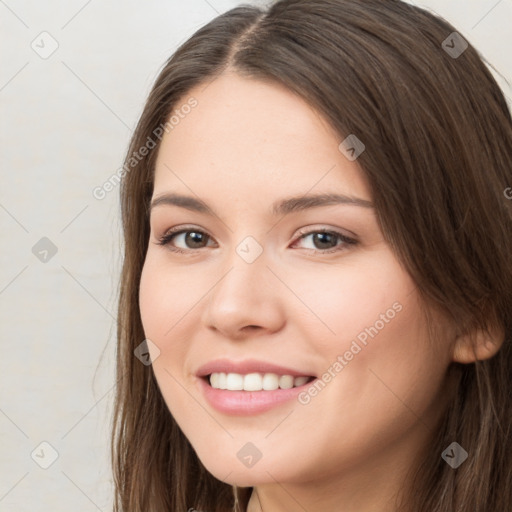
[[322, 237], [193, 237]]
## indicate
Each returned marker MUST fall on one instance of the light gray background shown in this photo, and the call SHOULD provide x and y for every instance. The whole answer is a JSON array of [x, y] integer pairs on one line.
[[65, 125]]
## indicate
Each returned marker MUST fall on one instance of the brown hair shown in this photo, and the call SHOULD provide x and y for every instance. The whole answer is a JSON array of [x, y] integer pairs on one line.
[[438, 158]]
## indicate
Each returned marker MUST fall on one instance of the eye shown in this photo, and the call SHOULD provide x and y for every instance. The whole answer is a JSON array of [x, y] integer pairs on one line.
[[327, 239], [192, 237], [323, 240]]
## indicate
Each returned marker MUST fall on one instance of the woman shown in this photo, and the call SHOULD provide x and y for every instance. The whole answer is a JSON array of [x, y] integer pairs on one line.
[[273, 372]]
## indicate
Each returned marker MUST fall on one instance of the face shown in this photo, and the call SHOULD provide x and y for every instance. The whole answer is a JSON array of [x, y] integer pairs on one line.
[[309, 290]]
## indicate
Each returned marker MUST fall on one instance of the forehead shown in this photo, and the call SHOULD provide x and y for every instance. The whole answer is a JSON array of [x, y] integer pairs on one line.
[[256, 137]]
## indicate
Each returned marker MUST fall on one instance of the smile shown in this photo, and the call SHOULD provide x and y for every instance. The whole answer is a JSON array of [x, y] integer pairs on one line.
[[255, 381], [238, 401]]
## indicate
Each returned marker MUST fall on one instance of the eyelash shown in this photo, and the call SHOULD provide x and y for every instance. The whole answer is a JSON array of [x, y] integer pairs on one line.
[[165, 240]]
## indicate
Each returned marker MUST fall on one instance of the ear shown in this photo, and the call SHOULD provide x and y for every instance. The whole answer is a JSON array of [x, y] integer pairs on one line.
[[478, 345]]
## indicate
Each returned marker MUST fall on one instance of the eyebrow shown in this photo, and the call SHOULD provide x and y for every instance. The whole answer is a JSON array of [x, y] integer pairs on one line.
[[281, 207]]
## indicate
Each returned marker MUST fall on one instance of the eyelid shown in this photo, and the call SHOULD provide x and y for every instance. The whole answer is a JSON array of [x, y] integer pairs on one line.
[[323, 228]]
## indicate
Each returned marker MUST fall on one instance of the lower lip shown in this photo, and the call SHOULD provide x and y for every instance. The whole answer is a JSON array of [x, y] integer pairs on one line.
[[244, 403]]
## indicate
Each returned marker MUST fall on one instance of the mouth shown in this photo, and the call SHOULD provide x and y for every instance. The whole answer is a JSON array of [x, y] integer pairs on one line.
[[255, 381], [251, 386]]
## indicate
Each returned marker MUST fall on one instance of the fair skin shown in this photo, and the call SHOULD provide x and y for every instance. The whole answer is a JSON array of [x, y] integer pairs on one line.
[[246, 145]]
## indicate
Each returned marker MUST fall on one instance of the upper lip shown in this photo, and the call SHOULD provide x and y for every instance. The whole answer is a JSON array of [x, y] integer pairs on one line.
[[247, 366]]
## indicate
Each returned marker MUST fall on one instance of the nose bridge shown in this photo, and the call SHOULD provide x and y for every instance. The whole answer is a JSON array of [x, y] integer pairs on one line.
[[244, 294], [247, 270]]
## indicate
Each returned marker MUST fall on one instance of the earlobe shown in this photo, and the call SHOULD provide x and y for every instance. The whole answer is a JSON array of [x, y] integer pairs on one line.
[[478, 345]]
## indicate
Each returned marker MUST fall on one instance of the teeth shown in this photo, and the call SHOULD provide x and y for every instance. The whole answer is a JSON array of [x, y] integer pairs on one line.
[[255, 381], [300, 381], [235, 382]]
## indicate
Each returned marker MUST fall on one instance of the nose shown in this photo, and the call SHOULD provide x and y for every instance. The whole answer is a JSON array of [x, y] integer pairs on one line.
[[246, 300]]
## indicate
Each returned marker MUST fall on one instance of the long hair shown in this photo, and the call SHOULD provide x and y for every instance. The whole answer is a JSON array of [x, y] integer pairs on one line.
[[438, 159]]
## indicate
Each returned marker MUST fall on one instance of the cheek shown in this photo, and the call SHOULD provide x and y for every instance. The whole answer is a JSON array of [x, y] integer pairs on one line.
[[164, 304], [341, 302], [370, 314], [152, 301], [164, 297], [392, 367]]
